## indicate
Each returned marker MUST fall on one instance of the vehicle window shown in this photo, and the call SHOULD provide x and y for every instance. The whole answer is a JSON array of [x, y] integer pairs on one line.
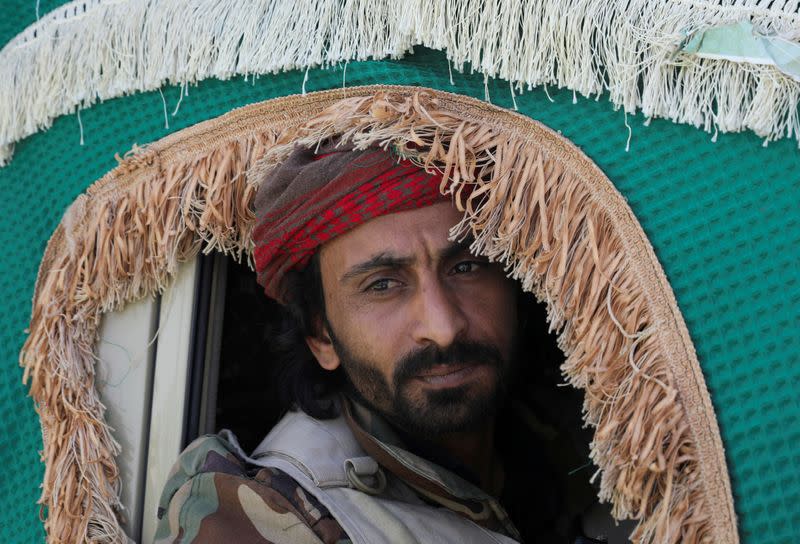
[[542, 423], [212, 366]]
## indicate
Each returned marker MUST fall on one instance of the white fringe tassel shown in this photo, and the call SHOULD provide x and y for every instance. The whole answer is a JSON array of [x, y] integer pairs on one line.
[[94, 50]]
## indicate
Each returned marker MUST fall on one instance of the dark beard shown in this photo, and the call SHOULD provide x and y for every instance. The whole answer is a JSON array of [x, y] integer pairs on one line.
[[445, 411]]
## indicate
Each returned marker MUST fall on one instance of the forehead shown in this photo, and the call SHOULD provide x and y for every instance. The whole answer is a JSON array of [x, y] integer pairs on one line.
[[413, 233]]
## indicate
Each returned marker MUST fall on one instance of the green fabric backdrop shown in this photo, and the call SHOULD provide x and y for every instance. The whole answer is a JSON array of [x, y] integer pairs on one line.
[[723, 218]]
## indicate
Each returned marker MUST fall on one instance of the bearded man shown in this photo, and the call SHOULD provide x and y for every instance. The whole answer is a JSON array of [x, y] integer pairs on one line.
[[407, 346]]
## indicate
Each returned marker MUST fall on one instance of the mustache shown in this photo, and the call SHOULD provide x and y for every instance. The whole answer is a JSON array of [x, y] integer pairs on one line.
[[471, 353]]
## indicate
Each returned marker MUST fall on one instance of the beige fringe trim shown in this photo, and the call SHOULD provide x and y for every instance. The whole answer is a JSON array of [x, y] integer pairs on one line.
[[538, 205], [90, 50]]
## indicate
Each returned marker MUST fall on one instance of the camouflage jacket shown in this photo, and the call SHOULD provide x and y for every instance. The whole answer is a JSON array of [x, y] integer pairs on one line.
[[213, 493]]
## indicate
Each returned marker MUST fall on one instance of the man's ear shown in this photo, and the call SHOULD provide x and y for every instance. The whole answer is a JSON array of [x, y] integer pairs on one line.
[[322, 347]]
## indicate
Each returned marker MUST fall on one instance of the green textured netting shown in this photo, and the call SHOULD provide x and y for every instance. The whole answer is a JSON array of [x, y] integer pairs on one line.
[[18, 14], [723, 218]]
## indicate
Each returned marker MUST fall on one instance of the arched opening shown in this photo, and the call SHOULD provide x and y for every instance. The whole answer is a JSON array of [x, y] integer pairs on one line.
[[557, 223]]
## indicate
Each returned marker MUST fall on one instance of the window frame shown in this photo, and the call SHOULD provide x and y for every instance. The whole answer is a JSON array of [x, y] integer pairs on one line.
[[158, 367]]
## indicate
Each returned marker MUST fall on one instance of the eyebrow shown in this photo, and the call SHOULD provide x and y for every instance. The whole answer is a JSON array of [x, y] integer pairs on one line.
[[389, 260]]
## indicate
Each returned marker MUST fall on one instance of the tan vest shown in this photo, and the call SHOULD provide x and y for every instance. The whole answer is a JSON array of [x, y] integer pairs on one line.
[[371, 506]]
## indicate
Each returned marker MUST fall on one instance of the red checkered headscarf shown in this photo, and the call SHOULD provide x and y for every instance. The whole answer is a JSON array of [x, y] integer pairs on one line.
[[315, 196]]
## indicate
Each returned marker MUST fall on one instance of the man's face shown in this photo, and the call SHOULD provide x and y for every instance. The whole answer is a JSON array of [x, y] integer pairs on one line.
[[424, 330]]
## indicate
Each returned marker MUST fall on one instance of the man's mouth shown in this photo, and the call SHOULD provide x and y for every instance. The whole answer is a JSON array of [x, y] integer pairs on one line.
[[451, 375]]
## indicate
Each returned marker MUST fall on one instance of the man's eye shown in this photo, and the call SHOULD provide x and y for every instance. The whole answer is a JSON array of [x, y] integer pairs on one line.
[[467, 267], [381, 285]]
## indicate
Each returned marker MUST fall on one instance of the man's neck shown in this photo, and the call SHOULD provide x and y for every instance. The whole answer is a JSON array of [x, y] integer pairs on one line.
[[475, 451], [471, 455]]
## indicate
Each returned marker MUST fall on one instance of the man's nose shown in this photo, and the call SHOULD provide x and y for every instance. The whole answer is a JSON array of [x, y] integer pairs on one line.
[[439, 316]]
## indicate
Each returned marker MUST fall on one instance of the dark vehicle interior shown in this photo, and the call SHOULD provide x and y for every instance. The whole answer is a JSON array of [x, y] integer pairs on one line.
[[232, 385]]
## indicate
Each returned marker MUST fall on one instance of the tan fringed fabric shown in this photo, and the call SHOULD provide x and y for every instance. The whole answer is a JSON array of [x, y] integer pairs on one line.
[[538, 205]]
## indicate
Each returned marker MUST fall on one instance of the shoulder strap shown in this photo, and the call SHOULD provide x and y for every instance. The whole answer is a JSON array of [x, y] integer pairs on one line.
[[325, 451]]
